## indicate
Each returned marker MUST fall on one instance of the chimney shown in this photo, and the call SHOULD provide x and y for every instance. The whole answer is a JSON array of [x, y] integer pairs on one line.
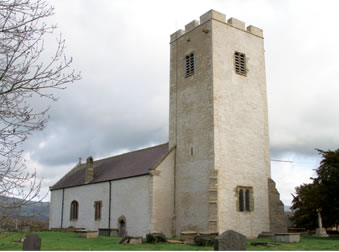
[[89, 169]]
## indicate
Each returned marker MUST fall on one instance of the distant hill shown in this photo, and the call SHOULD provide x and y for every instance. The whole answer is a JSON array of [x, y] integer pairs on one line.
[[287, 209], [33, 210]]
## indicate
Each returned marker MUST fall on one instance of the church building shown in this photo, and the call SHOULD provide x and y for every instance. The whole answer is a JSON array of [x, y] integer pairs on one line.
[[214, 173]]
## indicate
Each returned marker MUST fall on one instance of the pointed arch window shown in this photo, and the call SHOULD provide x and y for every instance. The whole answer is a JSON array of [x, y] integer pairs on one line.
[[74, 210]]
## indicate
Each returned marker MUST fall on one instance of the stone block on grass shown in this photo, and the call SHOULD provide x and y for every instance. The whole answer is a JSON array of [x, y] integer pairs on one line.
[[230, 240]]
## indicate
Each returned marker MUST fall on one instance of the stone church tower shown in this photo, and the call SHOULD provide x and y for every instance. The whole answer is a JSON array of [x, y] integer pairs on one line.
[[214, 174], [219, 125]]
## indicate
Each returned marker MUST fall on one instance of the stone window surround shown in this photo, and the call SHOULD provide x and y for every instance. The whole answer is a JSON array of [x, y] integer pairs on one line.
[[240, 63], [189, 66], [74, 211], [97, 210], [246, 208]]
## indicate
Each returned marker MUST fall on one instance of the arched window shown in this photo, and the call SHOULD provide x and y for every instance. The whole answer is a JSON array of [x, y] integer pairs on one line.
[[241, 200], [247, 200], [74, 210]]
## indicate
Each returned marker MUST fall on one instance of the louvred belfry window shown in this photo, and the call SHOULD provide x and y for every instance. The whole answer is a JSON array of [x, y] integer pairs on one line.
[[240, 63], [189, 65]]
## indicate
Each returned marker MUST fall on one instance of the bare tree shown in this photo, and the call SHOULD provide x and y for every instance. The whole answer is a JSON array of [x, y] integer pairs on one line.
[[25, 74]]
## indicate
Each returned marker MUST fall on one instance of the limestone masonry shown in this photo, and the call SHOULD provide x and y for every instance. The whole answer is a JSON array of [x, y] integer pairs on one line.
[[214, 174]]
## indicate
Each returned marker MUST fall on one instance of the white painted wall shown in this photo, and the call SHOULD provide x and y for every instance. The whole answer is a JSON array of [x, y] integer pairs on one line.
[[86, 196], [55, 209], [131, 198]]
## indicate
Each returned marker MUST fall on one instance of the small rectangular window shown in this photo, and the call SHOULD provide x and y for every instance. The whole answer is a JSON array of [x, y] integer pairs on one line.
[[189, 65], [240, 63], [97, 207]]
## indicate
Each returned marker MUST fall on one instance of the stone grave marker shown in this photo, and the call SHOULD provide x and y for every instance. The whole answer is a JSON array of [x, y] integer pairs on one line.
[[230, 240], [320, 231], [32, 242]]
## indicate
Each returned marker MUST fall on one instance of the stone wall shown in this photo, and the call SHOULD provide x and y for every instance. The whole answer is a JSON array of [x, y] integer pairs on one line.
[[163, 196], [240, 127], [218, 122], [191, 126], [277, 215]]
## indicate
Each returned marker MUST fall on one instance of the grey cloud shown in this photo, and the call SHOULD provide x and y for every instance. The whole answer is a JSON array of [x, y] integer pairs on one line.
[[121, 48]]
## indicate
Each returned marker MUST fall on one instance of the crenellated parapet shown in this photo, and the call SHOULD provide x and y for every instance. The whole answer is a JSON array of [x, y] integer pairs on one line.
[[212, 14]]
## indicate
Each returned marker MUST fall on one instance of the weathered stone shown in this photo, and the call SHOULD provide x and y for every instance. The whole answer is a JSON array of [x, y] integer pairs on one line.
[[276, 209], [155, 238], [86, 234], [230, 240], [287, 237], [203, 241], [265, 234], [188, 237], [135, 240], [131, 240], [205, 238], [32, 242], [124, 240], [25, 228], [208, 235], [175, 242], [321, 232]]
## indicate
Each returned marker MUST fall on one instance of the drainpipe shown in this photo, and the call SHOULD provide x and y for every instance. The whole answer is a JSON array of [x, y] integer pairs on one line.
[[62, 207], [109, 206]]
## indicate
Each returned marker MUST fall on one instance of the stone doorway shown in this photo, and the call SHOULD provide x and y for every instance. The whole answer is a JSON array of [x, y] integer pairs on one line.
[[122, 226]]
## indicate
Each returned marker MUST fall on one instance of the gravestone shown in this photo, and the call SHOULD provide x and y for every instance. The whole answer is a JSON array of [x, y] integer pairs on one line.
[[32, 242], [230, 240], [320, 231]]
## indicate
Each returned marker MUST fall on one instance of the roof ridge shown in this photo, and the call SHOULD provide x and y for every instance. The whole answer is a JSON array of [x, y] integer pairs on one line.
[[128, 153]]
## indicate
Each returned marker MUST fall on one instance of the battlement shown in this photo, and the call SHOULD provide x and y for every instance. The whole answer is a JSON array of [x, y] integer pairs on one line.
[[212, 14]]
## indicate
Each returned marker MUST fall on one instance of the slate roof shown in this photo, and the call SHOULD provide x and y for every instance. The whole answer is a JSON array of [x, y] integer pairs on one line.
[[131, 164]]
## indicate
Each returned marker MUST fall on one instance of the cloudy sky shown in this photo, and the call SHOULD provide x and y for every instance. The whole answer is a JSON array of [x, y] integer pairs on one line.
[[121, 48]]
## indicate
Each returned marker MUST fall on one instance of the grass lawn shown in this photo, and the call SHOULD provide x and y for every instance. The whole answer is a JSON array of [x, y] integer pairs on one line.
[[69, 241], [306, 243]]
